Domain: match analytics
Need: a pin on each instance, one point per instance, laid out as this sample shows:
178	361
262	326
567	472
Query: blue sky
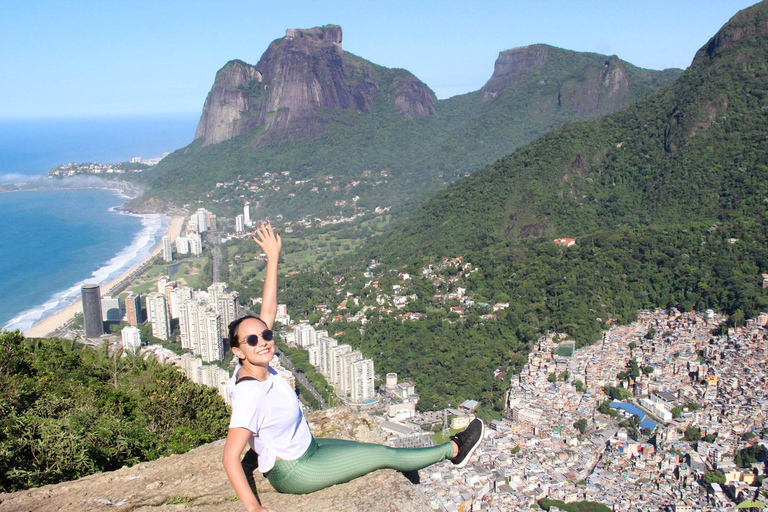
108	58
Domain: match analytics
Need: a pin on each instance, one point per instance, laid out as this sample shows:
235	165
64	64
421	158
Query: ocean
53	241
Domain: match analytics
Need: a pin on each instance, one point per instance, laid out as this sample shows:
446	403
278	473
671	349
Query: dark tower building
133	309
91	296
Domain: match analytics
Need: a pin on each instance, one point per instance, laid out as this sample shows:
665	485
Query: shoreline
52	323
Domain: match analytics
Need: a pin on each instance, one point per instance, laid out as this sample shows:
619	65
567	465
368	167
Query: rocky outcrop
585	84
197	481
413	98
296	78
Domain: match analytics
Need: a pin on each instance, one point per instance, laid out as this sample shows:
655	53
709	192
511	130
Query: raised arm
271	243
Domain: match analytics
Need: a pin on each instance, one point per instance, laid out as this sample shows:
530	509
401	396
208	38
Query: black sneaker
467	441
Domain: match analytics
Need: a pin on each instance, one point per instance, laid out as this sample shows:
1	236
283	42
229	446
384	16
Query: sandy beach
50	324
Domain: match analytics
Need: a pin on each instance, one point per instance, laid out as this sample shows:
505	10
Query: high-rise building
211	337
182	245
345	384
282	315
228	307
313	352
200	330
334	363
110	309
131	337
239	224
325	342
192	224
161	284
195	244
91	299
133	309
362	381
202	220
157	313
177	297
305	335
247	214
167	248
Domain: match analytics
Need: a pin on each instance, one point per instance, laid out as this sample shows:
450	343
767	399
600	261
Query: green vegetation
714	477
617	393
692	434
67	411
576	506
744	458
580	425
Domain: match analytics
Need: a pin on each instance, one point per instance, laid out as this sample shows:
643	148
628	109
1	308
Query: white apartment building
131	337
157	314
225	303
182	245
200	330
362	381
346	382
239	224
202	220
176	298
167	248
195	244
247	215
325	343
282	315
313	352
110	309
305	335
334	363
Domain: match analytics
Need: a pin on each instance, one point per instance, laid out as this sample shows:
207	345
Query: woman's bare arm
271	243
237	439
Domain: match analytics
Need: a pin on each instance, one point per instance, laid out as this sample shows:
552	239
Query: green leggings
334	461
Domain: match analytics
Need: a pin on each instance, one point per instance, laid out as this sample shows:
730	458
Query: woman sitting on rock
266	415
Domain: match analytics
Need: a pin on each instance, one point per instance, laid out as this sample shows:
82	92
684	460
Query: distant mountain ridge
667	201
691	150
311	108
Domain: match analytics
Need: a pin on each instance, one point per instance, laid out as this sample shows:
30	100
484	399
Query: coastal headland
52	323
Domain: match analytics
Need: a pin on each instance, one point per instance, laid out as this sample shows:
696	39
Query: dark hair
233	341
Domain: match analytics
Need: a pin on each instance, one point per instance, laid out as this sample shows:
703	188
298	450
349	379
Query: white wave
154	226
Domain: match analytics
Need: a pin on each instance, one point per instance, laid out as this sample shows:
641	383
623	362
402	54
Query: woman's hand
269	241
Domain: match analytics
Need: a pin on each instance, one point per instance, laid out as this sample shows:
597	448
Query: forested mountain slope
667	200
315	111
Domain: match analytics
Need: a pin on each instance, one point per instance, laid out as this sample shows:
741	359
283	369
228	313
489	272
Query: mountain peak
327	33
297	78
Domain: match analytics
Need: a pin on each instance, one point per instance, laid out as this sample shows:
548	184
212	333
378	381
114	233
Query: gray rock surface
197	481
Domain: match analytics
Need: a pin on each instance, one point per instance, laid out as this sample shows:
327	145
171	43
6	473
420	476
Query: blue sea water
31	147
53	241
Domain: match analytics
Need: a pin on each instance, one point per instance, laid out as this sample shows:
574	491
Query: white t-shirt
270	410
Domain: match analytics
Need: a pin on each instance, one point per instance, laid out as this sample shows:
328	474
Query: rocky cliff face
596	86
197	481
297	76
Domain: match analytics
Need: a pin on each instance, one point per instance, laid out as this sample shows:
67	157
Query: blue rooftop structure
645	421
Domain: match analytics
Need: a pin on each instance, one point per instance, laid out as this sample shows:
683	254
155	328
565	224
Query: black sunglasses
253	339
